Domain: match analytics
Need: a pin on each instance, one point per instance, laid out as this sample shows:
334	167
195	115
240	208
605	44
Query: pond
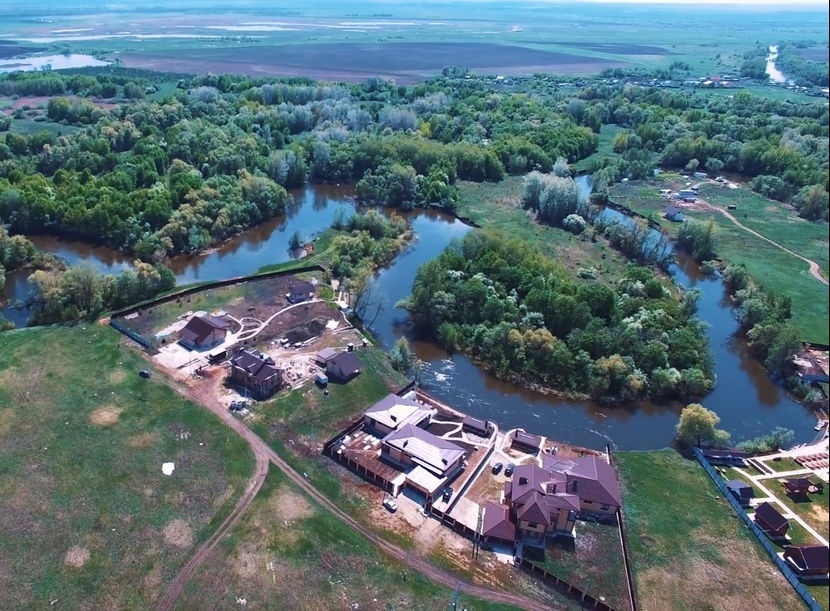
744	397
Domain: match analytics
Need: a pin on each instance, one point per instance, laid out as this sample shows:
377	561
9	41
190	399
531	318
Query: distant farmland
405	62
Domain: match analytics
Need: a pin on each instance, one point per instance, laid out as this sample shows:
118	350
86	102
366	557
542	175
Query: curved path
815	268
264	453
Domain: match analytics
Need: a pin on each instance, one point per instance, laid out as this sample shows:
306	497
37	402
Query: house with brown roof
592	479
343	367
257	373
203	332
540	503
808	560
771	521
393	412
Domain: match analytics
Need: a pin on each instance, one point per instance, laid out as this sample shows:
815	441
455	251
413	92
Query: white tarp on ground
167	468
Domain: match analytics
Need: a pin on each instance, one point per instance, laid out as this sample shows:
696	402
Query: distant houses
203	332
525	441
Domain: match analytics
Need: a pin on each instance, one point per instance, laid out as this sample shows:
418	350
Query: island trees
525	318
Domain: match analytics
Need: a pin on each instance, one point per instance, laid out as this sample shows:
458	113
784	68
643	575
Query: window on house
605	507
532	525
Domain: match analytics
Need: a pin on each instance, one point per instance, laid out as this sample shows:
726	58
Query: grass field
87	516
605	150
497	206
688	549
288	553
769	266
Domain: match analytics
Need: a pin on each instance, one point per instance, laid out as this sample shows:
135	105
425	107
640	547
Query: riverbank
776	269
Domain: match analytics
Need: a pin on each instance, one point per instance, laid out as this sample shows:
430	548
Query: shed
799	486
343	367
476	426
321	379
526	441
771	521
673	213
299	291
741	491
808	560
687	195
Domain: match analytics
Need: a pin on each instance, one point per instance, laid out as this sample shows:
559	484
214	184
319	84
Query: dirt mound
105	416
178	534
76	556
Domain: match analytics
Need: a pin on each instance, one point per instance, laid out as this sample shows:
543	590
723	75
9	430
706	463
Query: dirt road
263	453
815	268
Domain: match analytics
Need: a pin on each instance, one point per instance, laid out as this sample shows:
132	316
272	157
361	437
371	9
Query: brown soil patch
178	534
289	506
117	376
76	556
142	440
105	416
818	514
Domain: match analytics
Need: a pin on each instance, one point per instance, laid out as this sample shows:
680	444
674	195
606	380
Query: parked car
144	373
497	468
509	470
446	494
390	505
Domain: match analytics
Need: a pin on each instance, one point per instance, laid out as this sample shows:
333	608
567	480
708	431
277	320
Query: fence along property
789	575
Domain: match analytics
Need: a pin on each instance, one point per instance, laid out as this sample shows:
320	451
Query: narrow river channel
747	402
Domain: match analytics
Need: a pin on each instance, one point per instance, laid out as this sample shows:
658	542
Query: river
774	73
745	399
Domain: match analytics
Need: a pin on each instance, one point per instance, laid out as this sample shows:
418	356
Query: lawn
595	564
769	266
783	465
688	549
87	516
288	553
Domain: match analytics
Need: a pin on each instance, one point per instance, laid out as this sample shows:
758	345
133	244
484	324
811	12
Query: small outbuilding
673	214
482	428
526	442
771	521
808	560
742	491
299	291
343	367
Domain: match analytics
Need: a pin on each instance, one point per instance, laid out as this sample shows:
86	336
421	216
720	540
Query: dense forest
526	318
